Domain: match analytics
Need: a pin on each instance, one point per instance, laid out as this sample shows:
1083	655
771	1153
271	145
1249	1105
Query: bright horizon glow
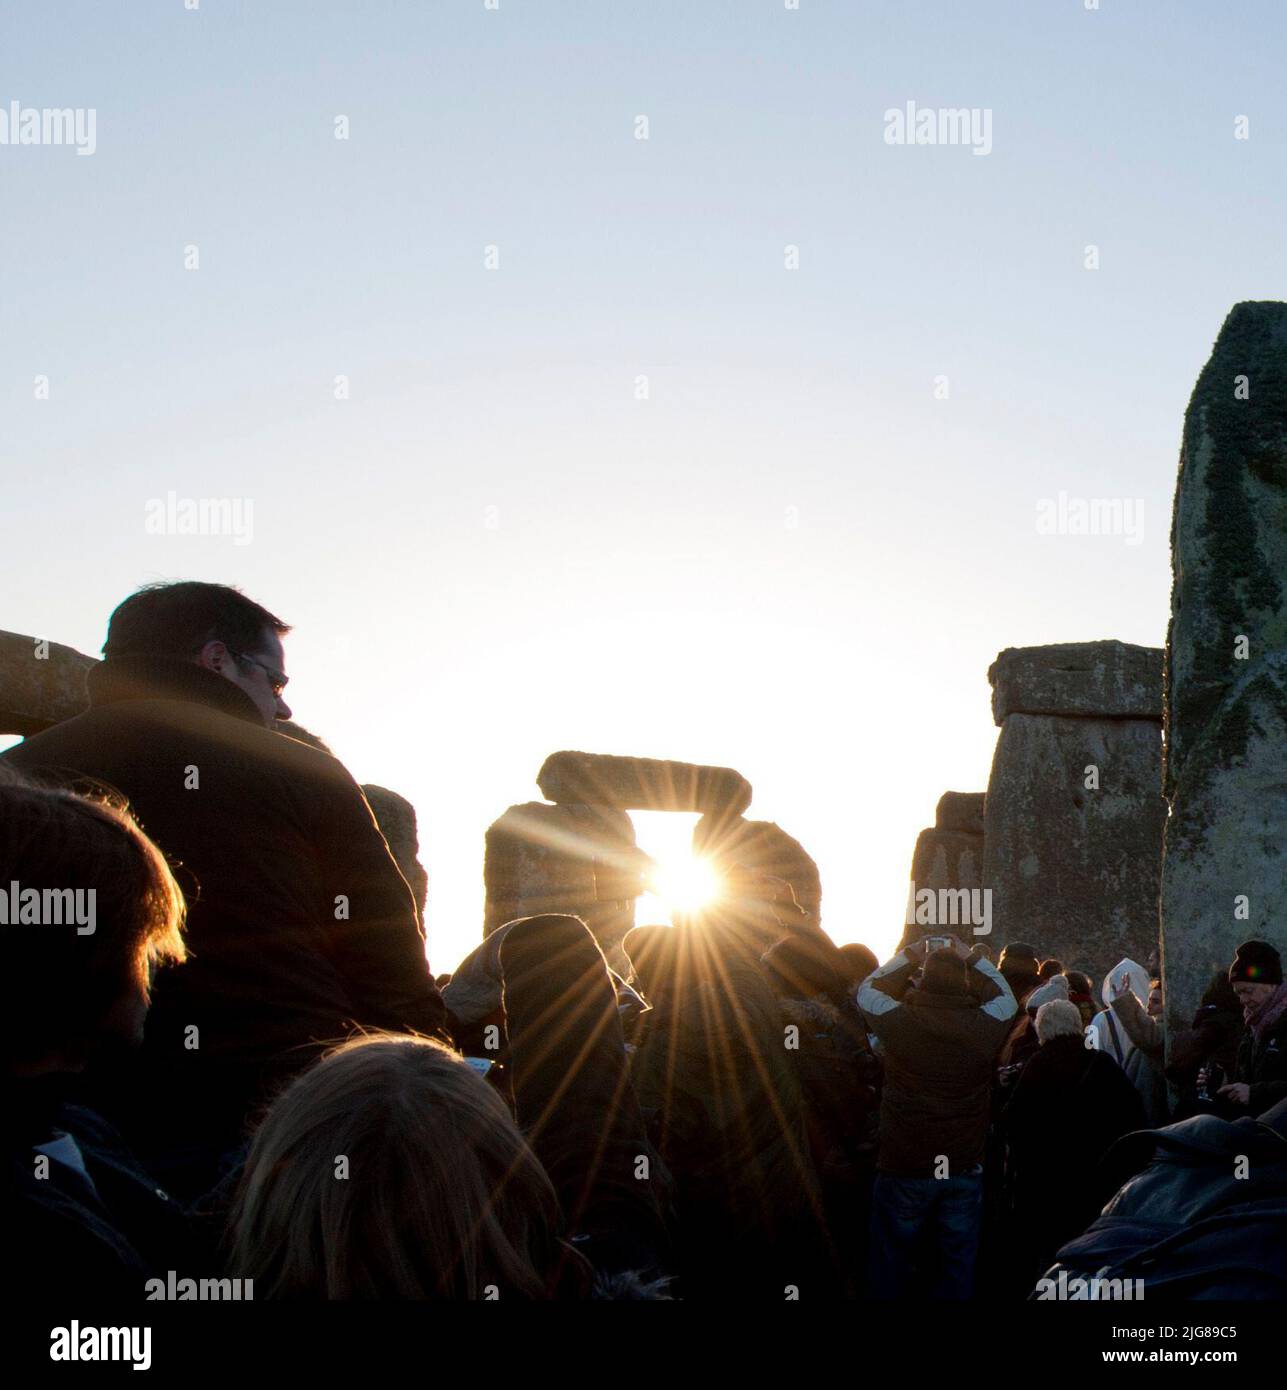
790	557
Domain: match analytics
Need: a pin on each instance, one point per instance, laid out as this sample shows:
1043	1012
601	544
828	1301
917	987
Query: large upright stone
1074	869
571	858
948	854
1074	813
41	683
1225	870
960	811
765	847
642	784
396	817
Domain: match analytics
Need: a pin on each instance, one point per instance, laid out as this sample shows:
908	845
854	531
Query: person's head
1219	994
97	909
213	625
802	967
1056	987
440	1195
944	972
1018	966
1060	1018
1155	998
1049	969
857	961
1255	974
1078	985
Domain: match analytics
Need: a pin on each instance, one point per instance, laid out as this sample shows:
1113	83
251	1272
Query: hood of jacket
1138	980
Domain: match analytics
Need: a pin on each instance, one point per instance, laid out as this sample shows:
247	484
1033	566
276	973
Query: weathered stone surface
1075	870
948	854
1225	870
947	859
642	784
540	858
960	811
764	846
1224	876
39	690
396	817
1101	680
1229	529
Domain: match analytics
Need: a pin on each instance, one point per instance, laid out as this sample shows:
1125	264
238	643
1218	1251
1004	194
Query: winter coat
88	1223
1211	1041
1069	1105
1109	1034
1262	1054
940	1050
1194	1223
839	1080
723	1107
299	922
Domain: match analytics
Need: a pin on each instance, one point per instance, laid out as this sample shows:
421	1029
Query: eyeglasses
276	681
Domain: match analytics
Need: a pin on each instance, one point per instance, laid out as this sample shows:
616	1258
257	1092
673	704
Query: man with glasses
300	926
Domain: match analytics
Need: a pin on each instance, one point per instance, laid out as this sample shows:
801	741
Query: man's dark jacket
940	1051
1262	1064
299	923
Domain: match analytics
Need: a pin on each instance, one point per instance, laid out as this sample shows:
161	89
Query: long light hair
392	1170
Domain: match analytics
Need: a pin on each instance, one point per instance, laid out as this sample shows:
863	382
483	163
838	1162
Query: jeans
935	1220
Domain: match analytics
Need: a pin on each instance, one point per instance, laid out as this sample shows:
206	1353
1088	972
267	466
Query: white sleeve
876	1001
1004	1005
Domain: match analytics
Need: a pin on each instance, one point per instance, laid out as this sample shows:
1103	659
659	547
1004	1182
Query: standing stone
41	683
1074	867
396	817
1225	870
949	854
765	847
570	858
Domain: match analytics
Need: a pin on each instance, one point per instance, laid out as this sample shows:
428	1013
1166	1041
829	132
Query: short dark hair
858	961
944	973
64	983
179	619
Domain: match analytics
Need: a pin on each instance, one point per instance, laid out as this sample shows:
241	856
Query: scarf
1269	1013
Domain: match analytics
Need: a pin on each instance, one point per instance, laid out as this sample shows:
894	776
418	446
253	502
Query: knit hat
1256	963
1056	988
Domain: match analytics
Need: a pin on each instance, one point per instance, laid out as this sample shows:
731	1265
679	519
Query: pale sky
800	553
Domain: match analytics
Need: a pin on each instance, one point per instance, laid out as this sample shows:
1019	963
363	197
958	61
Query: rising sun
685	882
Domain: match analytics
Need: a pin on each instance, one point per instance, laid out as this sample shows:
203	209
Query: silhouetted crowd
227	1061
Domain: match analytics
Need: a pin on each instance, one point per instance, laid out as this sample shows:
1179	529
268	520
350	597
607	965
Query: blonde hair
82	840
392	1170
